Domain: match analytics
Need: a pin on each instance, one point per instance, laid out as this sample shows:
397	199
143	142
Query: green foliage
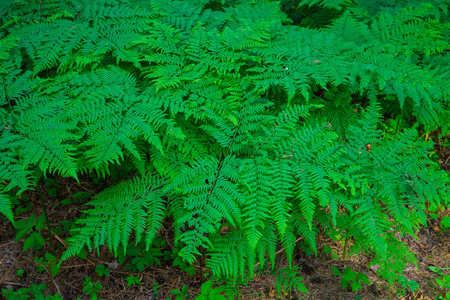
47	263
228	116
182	294
20	204
133	280
37	292
231	287
327	249
289	279
91	288
5	207
142	258
155	290
410	284
80	197
131	205
445	224
34	238
51	186
101	270
443	282
208	293
350	277
178	261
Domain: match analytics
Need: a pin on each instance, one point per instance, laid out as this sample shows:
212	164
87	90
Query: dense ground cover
266	147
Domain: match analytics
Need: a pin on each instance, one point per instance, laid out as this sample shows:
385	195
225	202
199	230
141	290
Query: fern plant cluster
249	115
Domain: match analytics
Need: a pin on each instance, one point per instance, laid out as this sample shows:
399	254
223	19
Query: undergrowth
250	124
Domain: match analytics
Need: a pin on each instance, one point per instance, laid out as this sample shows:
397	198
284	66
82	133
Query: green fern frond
6	207
230	254
330	4
283	183
266	121
133	205
256	206
374	224
305	230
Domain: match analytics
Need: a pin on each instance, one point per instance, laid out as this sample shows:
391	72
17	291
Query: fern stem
236	132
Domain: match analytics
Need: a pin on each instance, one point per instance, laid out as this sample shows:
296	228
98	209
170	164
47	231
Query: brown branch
4	276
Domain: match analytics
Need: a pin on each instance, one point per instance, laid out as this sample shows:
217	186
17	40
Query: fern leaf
6	207
136	204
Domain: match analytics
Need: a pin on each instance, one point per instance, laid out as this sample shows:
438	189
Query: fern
5	207
135	205
290	281
233	114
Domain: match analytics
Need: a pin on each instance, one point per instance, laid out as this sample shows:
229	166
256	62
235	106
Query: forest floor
432	249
